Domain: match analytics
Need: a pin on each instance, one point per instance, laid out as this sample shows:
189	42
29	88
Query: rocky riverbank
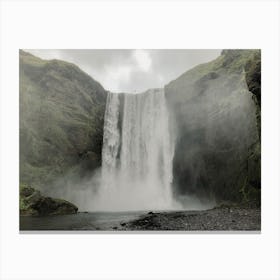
217	219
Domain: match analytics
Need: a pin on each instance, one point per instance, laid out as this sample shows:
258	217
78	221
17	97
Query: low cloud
131	70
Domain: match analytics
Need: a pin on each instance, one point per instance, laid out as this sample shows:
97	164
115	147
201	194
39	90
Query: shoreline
216	219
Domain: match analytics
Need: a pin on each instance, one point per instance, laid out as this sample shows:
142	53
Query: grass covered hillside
61	120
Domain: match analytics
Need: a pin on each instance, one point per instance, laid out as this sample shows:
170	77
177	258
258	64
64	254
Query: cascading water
137	153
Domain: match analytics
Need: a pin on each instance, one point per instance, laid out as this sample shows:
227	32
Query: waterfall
137	153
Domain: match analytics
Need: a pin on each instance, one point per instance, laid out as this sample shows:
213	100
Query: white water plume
137	154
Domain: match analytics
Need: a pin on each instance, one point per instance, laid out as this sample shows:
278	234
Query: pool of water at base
79	221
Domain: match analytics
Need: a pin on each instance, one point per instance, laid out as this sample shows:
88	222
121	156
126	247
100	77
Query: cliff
61	121
215	118
215	110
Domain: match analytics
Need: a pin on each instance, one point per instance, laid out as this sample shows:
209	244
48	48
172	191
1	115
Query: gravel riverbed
217	219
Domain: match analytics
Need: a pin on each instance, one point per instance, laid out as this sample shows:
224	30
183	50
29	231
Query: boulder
52	206
32	203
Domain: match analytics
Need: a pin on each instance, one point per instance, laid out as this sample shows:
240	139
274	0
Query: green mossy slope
61	120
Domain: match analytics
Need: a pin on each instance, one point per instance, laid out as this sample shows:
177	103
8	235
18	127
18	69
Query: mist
162	148
137	154
214	120
80	191
146	145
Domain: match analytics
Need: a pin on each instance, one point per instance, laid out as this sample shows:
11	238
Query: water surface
79	221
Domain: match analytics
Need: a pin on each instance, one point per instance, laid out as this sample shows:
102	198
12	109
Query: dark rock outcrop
32	203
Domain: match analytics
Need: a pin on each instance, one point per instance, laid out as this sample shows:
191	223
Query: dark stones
238	218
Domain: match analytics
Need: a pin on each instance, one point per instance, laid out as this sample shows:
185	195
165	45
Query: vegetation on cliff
216	115
61	120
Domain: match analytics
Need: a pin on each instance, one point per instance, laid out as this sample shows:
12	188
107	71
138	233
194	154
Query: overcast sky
132	70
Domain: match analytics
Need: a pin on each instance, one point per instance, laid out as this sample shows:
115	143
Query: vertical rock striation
215	118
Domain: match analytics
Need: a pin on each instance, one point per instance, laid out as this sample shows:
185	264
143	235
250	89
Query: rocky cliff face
215	111
61	121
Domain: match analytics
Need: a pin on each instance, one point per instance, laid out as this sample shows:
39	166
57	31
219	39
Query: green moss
61	119
31	202
230	61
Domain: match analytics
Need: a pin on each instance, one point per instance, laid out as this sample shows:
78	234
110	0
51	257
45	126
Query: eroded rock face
33	203
253	79
215	121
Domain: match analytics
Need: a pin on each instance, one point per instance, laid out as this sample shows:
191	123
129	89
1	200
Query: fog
214	120
73	188
137	154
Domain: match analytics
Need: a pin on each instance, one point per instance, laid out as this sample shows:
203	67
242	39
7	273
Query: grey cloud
130	70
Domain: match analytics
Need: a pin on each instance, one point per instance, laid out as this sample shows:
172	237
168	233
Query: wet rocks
32	203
